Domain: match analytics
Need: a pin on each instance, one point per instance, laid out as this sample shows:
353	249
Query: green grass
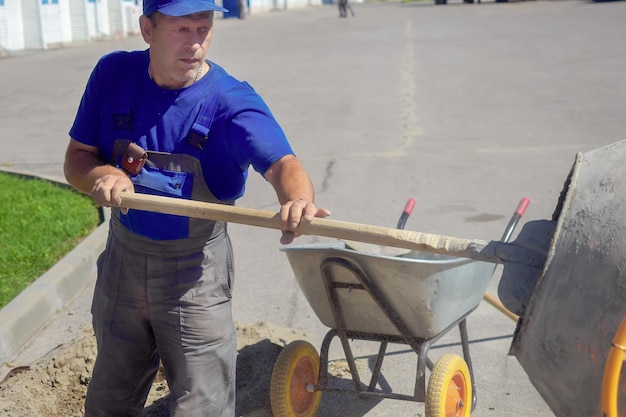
40	222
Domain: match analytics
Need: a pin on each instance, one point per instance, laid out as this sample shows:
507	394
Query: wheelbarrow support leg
468	359
378	366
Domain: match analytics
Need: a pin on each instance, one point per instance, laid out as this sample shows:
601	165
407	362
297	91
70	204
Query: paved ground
466	108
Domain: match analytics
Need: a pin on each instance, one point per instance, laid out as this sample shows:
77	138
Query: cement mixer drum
579	300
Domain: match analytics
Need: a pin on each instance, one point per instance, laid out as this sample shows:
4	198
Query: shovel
524	257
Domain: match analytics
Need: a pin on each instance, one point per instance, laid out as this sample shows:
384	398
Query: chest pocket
159	226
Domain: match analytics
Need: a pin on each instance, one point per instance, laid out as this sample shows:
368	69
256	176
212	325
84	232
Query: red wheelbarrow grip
408	207
519	212
522	206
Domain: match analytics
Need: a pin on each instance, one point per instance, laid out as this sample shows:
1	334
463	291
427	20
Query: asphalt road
465	107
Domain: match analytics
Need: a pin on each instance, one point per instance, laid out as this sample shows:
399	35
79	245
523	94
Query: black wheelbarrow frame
419	345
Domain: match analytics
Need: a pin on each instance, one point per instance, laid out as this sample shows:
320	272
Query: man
344	7
167	121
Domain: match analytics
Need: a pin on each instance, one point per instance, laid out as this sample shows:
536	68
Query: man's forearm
82	168
290	180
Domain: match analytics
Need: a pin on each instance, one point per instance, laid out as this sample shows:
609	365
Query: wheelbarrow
385	296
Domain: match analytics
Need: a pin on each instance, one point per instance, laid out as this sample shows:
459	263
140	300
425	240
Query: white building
11	26
43	24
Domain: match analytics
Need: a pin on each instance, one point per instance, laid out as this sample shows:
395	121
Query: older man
167	121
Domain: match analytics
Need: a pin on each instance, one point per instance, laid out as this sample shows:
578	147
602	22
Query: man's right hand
89	174
106	190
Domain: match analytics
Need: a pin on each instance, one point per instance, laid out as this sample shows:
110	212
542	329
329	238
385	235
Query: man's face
178	46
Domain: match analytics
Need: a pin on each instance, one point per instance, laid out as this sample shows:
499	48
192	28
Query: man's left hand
294	212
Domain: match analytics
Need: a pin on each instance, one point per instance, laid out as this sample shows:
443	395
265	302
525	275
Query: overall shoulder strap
202	125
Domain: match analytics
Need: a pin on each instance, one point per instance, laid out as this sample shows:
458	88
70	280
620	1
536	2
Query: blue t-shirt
244	132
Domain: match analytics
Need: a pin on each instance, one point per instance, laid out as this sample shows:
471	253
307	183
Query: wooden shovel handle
319	226
495	302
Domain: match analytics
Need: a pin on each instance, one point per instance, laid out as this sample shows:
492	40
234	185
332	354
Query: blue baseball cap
180	7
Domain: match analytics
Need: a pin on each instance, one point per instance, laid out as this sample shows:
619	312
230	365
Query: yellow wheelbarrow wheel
295	372
449	391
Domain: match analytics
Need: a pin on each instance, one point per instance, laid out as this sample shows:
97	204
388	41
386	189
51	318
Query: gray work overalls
167	300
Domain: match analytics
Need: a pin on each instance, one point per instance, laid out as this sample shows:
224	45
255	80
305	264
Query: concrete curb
26	314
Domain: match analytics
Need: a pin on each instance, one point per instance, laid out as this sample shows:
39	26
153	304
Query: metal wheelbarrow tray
427	292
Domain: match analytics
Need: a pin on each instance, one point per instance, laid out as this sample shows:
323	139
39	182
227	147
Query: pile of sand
55	385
